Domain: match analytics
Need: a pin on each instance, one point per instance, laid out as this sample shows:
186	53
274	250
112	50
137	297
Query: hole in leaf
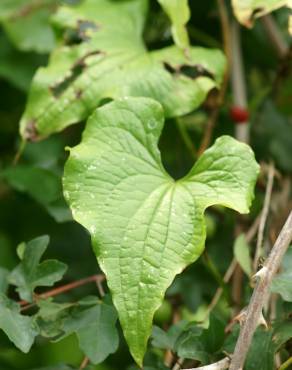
81	34
191	71
75	72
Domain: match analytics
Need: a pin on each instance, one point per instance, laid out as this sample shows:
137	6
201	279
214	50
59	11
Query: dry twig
261	294
264	216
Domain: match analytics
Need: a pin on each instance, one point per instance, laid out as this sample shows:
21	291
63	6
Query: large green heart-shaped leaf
146	227
247	10
102	55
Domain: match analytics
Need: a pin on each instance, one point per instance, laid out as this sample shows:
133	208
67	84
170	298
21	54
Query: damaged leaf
246	11
145	226
102	57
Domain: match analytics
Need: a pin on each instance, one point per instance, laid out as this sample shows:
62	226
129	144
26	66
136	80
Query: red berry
238	114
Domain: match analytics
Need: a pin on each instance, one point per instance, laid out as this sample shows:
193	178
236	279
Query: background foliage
69	324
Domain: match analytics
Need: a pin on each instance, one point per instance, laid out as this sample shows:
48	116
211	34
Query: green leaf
20	329
3	280
30	273
261	351
93	322
167	340
26	22
179	14
282	284
282	333
241	253
246	11
201	345
41	184
146	227
102	56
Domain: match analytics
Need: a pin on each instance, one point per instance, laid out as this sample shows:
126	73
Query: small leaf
179	14
167	340
93	322
247	11
241	253
102	56
30	273
282	284
146	227
27	24
20	329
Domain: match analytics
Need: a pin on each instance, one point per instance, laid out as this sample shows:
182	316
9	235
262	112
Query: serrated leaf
179	14
282	284
30	273
246	11
20	329
241	253
146	227
26	22
102	56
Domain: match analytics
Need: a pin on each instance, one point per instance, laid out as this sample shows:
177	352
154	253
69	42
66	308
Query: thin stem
261	294
264	216
228	274
84	363
19	152
286	364
220	365
238	82
277	40
64	288
225	29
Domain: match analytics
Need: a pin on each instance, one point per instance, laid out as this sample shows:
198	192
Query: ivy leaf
26	22
241	253
167	340
179	14
20	329
30	273
282	284
146	227
102	56
93	322
247	11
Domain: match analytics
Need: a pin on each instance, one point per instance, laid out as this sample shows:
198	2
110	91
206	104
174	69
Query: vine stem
220	365
278	42
286	364
229	272
260	295
84	363
238	82
98	279
264	216
225	30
